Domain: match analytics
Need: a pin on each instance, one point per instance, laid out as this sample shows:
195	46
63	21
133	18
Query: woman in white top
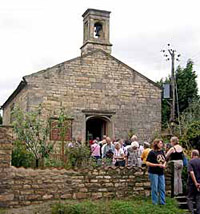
118	158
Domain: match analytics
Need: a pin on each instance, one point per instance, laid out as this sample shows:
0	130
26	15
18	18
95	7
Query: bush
77	156
193	134
53	162
21	157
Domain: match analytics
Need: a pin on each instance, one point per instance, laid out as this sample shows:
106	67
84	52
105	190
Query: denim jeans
157	188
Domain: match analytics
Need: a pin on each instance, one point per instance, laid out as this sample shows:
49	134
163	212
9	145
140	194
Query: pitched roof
21	85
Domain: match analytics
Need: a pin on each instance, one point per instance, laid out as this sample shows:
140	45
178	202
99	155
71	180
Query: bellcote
96	29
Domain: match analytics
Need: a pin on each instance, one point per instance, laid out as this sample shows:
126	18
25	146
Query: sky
37	34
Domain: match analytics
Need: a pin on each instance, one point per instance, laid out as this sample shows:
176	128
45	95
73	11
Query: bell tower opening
98	30
96	24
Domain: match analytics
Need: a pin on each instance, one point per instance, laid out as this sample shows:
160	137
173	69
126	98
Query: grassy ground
132	206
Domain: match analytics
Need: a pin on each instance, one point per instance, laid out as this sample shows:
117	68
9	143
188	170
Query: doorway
96	127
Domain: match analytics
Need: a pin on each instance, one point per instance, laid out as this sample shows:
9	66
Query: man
194	182
108	149
102	143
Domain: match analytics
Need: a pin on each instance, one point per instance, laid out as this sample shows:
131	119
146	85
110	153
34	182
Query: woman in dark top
175	154
156	163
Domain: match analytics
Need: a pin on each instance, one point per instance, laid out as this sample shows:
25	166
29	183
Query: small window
98	30
55	133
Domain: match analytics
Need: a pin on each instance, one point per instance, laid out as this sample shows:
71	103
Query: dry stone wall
20	187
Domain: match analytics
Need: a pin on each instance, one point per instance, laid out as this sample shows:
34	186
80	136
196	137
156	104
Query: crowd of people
155	157
119	152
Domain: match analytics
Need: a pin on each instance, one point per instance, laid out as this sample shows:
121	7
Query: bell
97	30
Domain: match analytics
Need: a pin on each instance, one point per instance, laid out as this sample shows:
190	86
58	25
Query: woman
118	157
175	154
156	163
145	153
133	154
95	150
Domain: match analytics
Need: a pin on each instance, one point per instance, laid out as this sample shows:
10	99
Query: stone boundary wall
21	187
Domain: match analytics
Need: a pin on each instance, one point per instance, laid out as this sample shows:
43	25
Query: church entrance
96	127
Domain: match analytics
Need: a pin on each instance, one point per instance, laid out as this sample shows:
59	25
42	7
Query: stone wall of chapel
98	82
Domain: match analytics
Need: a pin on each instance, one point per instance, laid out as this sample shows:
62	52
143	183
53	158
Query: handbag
185	160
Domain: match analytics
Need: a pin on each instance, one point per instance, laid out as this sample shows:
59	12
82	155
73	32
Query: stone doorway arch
97	126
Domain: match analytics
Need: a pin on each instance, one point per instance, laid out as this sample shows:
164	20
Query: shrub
53	162
33	131
193	134
21	156
77	156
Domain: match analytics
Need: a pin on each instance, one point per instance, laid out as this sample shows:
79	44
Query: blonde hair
174	140
134	138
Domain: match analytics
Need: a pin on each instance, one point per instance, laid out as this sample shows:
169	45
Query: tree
32	131
190	125
187	91
187	88
63	125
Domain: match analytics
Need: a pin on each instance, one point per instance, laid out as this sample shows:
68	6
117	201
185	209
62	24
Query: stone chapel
102	95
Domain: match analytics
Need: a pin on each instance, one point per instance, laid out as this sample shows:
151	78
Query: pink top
95	149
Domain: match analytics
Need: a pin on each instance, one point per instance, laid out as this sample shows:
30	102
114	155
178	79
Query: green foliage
134	206
83	208
191	114
21	156
2	211
192	135
186	80
190	126
77	156
131	132
62	124
33	131
184	179
53	162
62	127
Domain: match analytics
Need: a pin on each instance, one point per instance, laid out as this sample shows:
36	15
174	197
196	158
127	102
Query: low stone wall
34	186
21	187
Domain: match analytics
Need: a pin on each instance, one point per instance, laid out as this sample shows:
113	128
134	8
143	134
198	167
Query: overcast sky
37	34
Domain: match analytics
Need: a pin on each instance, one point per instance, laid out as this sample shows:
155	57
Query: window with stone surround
55	130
